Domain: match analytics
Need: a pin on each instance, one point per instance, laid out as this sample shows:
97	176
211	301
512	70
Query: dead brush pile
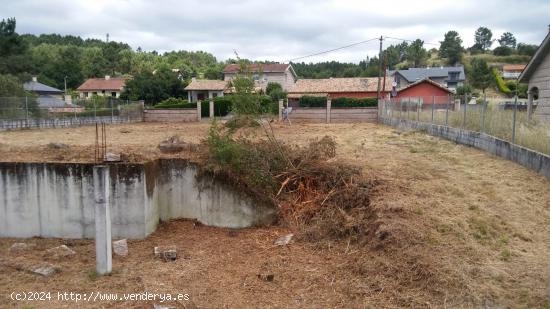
318	196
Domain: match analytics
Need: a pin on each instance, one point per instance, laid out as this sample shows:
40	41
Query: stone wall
170	115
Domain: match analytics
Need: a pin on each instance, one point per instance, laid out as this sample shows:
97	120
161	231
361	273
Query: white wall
56	200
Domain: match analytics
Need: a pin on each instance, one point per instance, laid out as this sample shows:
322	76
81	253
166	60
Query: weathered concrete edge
528	158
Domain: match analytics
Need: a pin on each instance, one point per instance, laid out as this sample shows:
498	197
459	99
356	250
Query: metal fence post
464	118
447	111
514	120
391	109
400	109
418	107
408	106
483	110
112	111
95	110
26	111
433	106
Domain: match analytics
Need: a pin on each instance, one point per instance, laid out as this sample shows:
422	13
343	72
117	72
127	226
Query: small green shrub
353	102
500	83
311	101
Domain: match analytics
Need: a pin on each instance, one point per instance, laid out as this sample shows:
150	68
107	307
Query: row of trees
57	59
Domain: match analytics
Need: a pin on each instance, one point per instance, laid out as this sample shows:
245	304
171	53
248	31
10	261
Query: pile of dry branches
315	193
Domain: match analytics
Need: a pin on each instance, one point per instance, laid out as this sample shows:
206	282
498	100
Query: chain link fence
45	112
507	119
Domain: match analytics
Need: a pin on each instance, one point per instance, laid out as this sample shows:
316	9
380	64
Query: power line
406	40
335	49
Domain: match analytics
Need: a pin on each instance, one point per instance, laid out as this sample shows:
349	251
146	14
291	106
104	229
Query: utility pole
65	84
379	67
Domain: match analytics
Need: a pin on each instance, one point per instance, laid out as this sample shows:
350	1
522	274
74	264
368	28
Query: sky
278	30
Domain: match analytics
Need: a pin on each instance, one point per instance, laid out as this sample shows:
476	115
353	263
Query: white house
264	73
203	89
104	87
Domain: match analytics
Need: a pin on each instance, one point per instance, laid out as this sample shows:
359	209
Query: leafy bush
175	103
353	102
500	83
502	51
521	88
464	89
311	101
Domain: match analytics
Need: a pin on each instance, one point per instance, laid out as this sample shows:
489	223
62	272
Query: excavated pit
56	199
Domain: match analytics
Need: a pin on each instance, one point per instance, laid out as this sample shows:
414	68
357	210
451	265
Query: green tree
507	39
12	49
275	91
451	47
10	86
502	51
93	62
483	38
416	53
154	87
526	49
481	76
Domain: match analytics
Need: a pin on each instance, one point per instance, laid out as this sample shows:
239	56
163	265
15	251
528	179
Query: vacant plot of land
457	227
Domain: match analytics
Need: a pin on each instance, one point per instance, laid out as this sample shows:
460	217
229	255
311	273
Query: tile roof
332	85
39	87
207	84
425	80
255	67
113	83
513	67
415	74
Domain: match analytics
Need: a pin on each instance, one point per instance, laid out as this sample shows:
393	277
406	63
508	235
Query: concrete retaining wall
308	114
533	160
170	115
56	200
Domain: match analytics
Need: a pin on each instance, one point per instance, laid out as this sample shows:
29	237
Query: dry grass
455	227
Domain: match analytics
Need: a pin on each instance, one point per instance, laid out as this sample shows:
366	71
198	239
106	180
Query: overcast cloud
278	30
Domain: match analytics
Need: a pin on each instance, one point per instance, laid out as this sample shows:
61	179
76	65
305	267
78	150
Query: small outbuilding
48	97
203	89
426	91
537	75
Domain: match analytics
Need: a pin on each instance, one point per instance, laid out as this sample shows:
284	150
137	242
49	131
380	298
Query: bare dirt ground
457	228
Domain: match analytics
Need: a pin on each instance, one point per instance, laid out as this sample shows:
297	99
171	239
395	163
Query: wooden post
103	250
329	103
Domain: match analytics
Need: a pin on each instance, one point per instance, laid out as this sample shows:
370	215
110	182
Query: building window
85	94
94	93
215	94
113	94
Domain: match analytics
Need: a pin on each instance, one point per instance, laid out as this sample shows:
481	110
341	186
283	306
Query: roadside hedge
500	83
311	101
353	102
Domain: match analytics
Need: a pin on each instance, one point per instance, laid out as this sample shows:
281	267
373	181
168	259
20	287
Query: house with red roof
425	91
264	73
104	87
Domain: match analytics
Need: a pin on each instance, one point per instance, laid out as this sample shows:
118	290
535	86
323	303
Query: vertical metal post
329	106
401	109
103	250
418	110
483	110
447	111
433	106
464	118
409	109
112	111
281	109
199	112
391	109
26	111
95	110
514	120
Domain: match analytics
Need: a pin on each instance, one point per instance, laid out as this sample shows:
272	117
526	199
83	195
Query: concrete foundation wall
533	160
56	200
170	115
